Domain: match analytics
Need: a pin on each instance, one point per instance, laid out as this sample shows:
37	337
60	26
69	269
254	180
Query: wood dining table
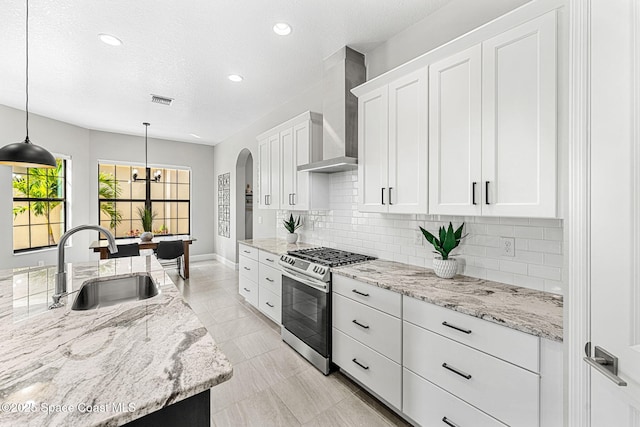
101	246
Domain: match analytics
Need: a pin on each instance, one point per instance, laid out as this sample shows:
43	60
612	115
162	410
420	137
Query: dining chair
126	251
169	250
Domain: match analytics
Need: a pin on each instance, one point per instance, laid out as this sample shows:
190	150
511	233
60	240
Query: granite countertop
275	245
102	367
527	310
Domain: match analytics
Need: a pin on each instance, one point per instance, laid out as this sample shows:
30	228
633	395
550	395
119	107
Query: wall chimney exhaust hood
342	71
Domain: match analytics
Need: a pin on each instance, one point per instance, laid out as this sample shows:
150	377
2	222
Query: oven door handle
316	284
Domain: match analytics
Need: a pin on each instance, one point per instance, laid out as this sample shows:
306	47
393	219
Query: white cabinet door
300	194
264	172
373	150
455	134
288	167
408	144
273	201
519	111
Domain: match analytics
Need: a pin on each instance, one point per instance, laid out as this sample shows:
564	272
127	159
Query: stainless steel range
306	300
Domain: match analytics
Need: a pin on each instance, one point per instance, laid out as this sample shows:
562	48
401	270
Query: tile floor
271	385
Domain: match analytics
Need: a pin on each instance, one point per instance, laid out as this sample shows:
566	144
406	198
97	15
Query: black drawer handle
448	422
246	252
269	280
360	324
269	259
457	328
247	268
456	371
359	293
248	290
360	364
473	195
486	193
269	304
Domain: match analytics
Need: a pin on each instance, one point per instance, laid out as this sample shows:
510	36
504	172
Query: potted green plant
444	266
146	216
291	225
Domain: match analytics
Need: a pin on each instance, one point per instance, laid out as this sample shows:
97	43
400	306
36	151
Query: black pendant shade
27	155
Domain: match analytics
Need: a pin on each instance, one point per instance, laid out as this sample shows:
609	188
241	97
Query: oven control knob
322	270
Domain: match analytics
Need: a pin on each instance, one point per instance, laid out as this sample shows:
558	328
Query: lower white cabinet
249	290
261	281
430	405
380	374
270	304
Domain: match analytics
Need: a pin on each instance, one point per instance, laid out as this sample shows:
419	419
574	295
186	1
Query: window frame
65	201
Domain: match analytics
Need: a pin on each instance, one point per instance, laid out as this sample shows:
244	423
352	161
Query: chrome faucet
61	276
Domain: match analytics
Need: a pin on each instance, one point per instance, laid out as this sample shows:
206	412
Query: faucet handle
56	301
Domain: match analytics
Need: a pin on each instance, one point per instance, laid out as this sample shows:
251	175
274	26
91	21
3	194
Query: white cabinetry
392	146
260	281
492	115
281	150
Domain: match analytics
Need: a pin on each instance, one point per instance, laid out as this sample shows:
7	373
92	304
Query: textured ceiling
183	50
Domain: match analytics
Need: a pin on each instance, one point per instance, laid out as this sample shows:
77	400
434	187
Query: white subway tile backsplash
537	263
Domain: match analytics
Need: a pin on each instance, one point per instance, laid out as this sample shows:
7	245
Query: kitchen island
102	367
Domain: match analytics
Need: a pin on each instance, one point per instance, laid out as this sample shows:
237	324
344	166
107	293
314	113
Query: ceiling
182	50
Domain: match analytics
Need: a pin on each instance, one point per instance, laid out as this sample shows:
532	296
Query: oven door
306	310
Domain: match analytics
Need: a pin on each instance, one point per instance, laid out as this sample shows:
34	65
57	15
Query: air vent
161	99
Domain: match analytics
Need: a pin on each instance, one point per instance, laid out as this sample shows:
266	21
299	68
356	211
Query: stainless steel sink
106	291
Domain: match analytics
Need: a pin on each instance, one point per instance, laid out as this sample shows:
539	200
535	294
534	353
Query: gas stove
316	262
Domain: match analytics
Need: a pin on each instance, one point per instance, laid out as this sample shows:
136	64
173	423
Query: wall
445	24
537	264
225	157
85	147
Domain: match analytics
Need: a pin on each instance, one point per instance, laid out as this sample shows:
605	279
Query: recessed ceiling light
109	39
235	78
194	135
282	29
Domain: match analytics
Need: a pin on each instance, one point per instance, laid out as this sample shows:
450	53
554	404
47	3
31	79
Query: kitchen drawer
383	376
270	278
248	251
429	405
503	390
378	330
382	299
249	290
269	259
270	304
249	268
505	343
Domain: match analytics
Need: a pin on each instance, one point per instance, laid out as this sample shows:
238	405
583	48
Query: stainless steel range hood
342	71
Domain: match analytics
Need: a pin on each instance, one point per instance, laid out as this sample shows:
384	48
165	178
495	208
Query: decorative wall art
224	205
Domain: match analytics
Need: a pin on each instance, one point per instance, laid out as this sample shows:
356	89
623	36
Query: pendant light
157	174
25	153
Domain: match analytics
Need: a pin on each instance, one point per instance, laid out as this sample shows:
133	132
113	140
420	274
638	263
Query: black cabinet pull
457	328
265	200
382	195
247	252
360	324
248	290
456	371
389	192
359	364
269	304
271	280
473	193
359	293
486	192
448	422
293	199
247	268
269	259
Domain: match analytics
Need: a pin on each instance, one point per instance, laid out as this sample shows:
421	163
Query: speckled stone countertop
276	246
102	367
527	310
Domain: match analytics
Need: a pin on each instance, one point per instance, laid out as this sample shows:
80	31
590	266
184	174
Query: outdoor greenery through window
39	206
123	191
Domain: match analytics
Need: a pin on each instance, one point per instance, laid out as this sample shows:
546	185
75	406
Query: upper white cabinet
281	150
492	114
392	146
455	134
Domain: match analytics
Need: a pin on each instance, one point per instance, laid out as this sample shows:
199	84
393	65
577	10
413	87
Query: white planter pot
147	236
445	268
292	237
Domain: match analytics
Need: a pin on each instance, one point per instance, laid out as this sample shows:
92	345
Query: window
123	190
39	206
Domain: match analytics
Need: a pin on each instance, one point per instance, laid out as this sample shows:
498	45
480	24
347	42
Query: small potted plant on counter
146	216
291	225
444	266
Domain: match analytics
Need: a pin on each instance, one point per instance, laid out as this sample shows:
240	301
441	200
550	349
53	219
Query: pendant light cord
27	72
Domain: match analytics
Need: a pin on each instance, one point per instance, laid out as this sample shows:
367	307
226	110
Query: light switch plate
508	246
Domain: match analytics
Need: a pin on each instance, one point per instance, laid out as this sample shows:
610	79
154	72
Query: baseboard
201	257
226	261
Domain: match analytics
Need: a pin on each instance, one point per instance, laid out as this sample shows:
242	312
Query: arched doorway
244	197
